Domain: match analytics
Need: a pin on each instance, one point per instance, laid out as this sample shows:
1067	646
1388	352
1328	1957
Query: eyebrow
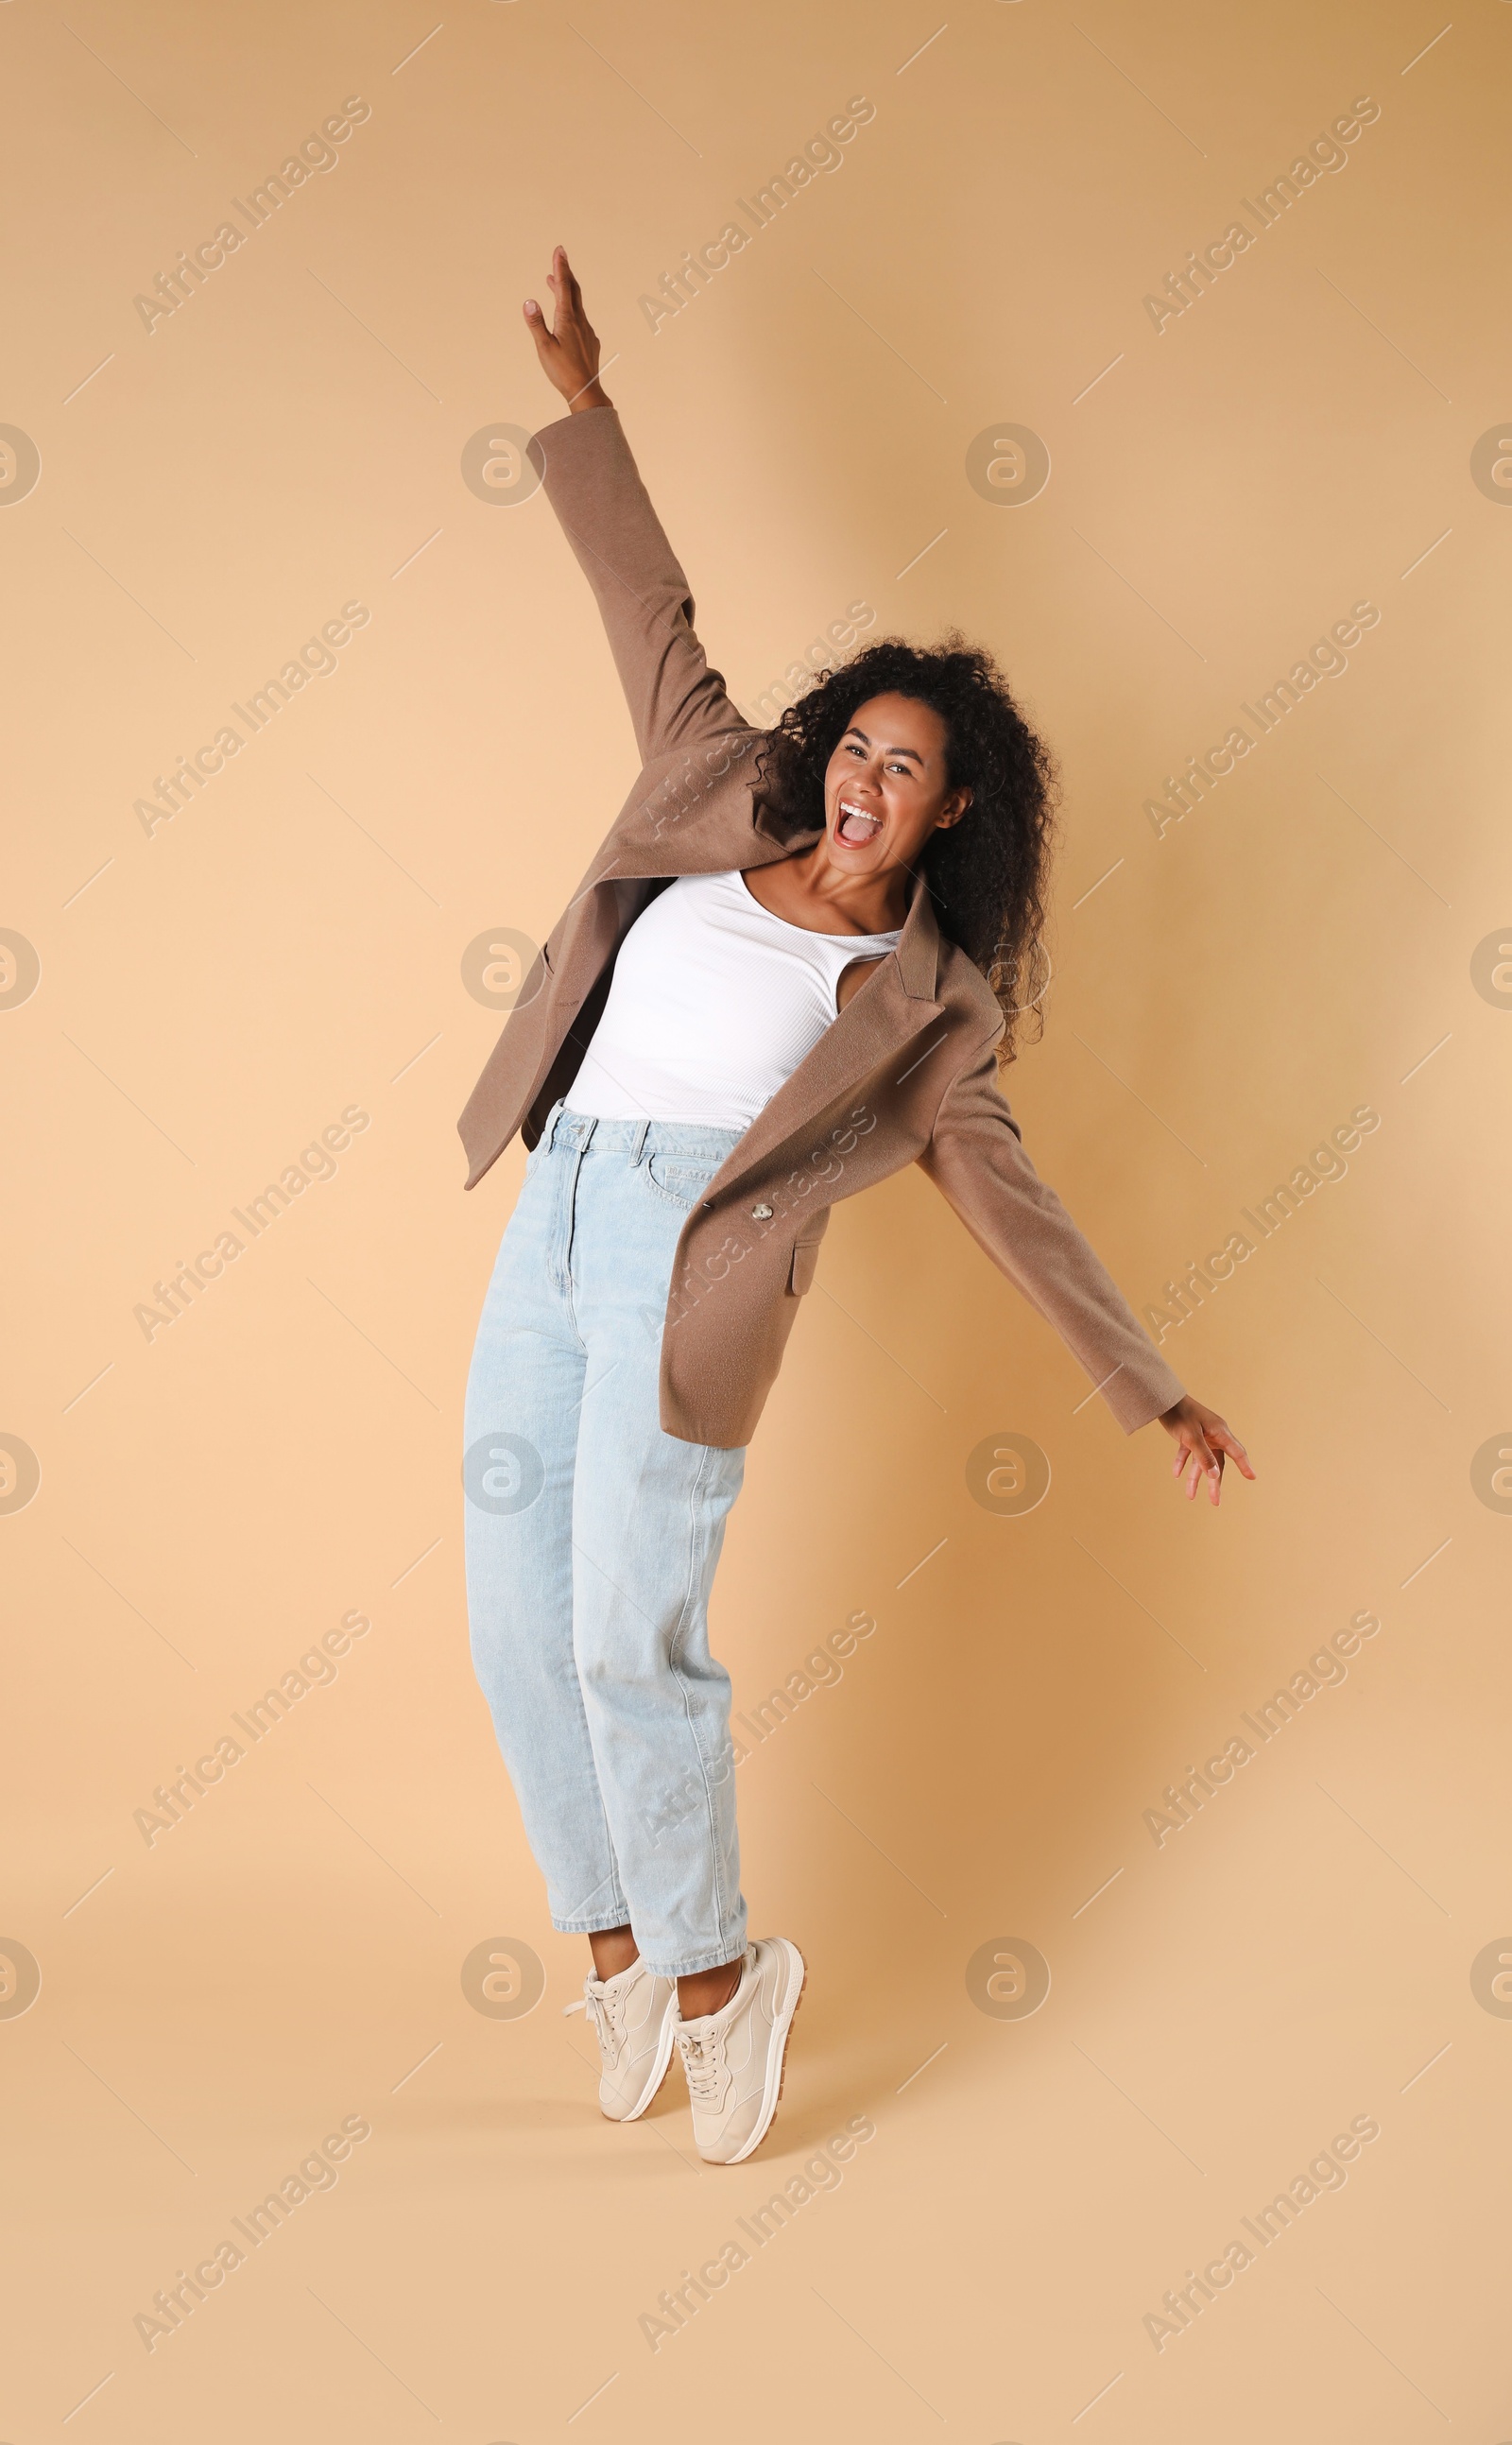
855	731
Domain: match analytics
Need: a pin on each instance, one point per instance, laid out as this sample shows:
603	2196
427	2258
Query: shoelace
605	2013
703	2063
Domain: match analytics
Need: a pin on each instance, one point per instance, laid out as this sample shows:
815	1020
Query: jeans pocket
677	1180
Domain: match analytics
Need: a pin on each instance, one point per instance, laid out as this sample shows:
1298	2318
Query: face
885	786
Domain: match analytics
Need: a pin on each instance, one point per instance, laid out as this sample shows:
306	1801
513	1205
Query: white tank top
713	1003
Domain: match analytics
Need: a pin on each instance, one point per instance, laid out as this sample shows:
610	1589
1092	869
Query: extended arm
977	1162
593	486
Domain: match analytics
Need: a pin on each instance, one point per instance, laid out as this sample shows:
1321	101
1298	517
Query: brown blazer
906	1073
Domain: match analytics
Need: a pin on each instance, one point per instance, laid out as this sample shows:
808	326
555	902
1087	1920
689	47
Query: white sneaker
634	2017
733	2058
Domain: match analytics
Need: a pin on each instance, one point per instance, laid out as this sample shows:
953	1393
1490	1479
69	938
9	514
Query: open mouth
855	827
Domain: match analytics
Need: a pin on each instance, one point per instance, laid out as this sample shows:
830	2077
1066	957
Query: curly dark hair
987	874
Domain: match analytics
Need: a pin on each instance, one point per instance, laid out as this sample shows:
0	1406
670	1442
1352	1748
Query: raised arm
593	486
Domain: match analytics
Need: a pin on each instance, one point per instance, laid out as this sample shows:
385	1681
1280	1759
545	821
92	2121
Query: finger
1205	1462
1224	1439
1212	1465
539	332
566	292
560	296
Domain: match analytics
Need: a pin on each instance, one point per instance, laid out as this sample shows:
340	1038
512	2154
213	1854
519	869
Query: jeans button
760	1213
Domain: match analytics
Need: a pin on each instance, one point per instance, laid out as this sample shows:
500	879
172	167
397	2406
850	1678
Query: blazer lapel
892	1010
674	826
648	845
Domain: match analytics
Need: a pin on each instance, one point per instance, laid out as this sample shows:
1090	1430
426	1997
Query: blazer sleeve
594	487
977	1160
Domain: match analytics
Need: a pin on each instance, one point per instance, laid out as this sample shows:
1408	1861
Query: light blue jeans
592	1543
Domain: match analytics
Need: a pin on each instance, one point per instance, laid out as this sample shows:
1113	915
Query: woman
793	968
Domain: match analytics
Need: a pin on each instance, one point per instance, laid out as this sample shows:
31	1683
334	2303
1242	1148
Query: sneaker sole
661	2064
778	2067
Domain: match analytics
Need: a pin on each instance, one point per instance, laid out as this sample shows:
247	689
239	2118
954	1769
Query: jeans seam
568	1235
674	1647
664	1196
588	1925
688	1968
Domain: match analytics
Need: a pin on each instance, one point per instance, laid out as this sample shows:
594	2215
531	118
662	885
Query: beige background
290	944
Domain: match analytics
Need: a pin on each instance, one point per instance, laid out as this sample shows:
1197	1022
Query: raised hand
568	350
1202	1440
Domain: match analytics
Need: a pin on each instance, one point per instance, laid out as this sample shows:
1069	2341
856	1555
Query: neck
862	904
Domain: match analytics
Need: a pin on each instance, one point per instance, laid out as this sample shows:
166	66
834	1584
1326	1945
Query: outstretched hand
1203	1441
569	349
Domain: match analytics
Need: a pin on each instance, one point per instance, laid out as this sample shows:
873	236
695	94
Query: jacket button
760	1213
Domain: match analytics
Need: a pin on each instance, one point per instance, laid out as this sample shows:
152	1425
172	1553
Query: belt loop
638	1144
550	1127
